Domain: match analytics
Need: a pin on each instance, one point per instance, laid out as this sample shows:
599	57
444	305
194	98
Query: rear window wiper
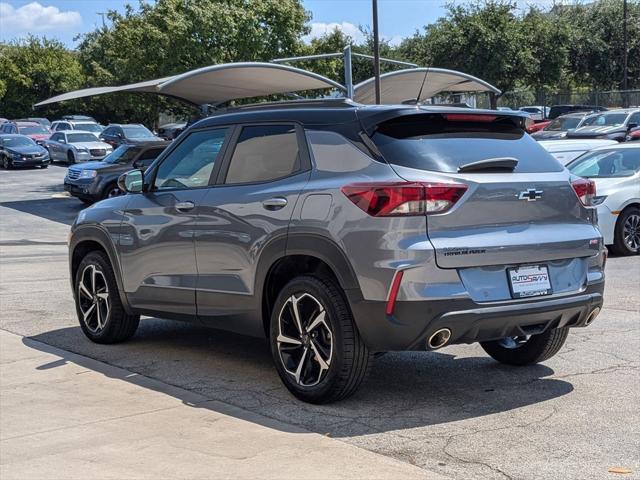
501	164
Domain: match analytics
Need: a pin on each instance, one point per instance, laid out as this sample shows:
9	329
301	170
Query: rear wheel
71	158
98	305
526	350
316	347
626	240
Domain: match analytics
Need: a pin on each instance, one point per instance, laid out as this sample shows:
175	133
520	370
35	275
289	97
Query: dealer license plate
529	281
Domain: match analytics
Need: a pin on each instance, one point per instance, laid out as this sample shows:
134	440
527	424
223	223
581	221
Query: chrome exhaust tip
439	338
592	316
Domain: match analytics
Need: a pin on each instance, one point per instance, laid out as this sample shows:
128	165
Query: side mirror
62	140
131	181
119	135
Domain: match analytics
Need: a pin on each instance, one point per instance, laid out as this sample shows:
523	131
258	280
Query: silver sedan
75	146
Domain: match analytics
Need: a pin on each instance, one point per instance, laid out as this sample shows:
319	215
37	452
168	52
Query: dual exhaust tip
439	338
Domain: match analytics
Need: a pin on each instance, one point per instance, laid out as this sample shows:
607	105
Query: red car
634	135
534	127
33	130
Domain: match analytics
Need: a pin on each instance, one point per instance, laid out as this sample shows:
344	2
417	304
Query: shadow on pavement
61	210
405	390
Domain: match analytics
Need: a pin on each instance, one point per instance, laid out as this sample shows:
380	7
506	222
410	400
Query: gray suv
338	231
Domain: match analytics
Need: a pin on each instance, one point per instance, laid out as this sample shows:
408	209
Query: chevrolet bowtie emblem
530	195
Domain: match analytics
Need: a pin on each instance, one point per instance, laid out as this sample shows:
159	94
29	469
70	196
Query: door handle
275	203
184	206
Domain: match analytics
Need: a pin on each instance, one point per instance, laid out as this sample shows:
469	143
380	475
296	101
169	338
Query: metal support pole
625	55
348	72
376	51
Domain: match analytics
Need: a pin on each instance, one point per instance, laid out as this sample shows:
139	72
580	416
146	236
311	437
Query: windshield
607	163
606	119
89	127
123	154
429	142
530	110
33	130
563	124
136	131
81	137
17	142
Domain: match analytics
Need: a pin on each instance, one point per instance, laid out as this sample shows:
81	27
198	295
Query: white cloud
318	29
35	17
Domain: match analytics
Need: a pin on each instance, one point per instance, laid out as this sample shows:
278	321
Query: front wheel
527	350
71	158
316	347
6	163
626	240
98	305
112	191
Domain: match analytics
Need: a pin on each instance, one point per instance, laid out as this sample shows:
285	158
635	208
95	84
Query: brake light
469	117
585	190
393	199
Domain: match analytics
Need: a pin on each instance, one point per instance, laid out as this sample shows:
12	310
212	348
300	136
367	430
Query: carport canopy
419	84
218	84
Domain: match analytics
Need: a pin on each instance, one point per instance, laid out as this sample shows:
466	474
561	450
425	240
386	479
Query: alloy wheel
114	192
631	232
513	342
305	340
93	298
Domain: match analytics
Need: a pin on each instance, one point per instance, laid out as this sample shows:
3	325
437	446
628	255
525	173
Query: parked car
93	181
84	125
616	172
33	130
170	131
74	146
537	126
117	134
42	121
556	110
21	151
79	118
634	134
613	125
558	127
339	230
536	112
566	150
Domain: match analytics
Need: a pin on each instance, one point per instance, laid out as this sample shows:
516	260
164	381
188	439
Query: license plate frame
527	281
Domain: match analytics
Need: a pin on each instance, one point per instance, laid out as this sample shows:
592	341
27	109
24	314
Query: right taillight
392	199
585	190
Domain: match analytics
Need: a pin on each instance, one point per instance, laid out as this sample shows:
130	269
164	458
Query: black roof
335	112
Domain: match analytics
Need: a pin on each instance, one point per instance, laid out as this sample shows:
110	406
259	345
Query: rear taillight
585	190
404	199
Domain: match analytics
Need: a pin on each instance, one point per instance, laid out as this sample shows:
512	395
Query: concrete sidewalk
65	416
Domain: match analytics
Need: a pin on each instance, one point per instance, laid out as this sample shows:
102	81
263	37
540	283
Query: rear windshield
429	142
136	131
89	127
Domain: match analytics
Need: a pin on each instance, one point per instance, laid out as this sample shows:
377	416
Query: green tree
34	69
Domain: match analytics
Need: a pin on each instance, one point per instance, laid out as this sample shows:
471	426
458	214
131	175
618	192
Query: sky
65	19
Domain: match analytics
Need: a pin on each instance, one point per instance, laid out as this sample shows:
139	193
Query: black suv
93	181
117	134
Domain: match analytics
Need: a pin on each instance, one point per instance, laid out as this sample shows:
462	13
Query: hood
28	150
91	165
549	134
92	145
597	130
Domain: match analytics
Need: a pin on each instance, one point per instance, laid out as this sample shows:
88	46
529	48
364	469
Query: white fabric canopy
405	85
218	83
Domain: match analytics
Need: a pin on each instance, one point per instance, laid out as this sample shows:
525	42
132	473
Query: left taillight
585	190
396	199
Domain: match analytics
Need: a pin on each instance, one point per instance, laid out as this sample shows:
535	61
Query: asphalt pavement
455	412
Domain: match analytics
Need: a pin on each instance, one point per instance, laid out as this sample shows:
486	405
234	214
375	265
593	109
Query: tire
6	163
98	306
336	341
109	189
535	349
71	159
626	236
44	167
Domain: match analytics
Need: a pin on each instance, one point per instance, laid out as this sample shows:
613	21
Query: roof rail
298	103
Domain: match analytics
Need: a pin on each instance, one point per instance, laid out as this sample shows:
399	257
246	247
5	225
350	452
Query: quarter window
190	165
263	153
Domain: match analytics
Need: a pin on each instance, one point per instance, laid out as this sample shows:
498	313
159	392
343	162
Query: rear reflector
585	190
393	293
395	199
469	117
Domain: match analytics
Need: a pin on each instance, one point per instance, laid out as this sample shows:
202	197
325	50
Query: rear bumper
413	322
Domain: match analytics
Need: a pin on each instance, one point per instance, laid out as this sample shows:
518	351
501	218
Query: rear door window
263	153
430	142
